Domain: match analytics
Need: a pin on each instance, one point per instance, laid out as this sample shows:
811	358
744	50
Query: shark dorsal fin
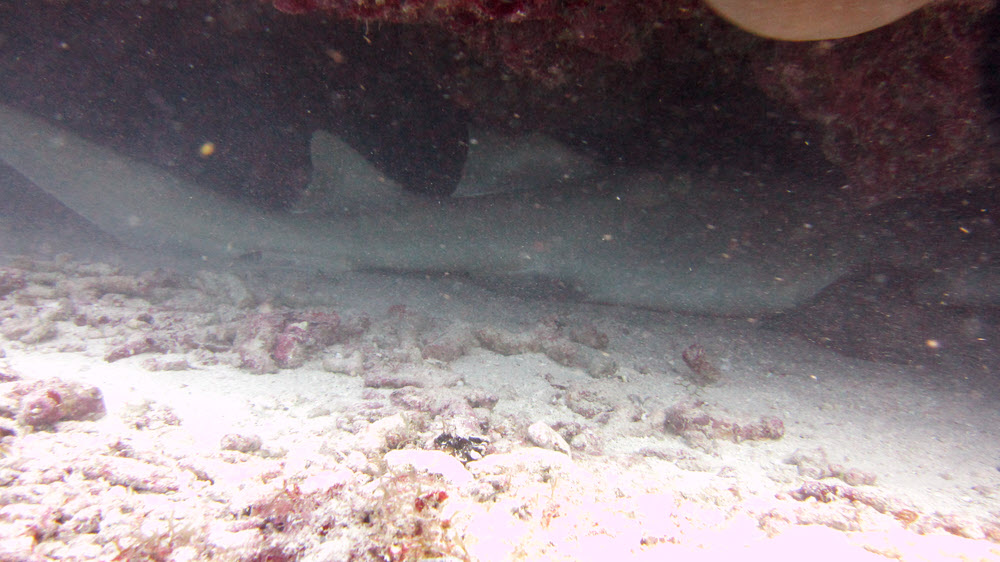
345	182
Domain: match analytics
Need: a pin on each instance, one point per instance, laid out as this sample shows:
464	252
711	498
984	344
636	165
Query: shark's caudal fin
139	204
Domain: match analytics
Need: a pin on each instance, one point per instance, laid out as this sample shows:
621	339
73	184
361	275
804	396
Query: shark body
603	246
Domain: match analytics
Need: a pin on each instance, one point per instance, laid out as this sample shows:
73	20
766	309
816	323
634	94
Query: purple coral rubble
45	402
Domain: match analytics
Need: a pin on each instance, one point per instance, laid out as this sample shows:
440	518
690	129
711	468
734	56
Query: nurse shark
617	241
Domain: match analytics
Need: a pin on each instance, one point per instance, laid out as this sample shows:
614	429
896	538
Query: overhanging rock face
899	107
898	110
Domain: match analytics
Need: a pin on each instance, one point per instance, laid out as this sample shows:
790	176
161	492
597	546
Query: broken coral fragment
696	423
42	403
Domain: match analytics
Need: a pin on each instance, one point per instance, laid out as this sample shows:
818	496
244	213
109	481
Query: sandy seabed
234	415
